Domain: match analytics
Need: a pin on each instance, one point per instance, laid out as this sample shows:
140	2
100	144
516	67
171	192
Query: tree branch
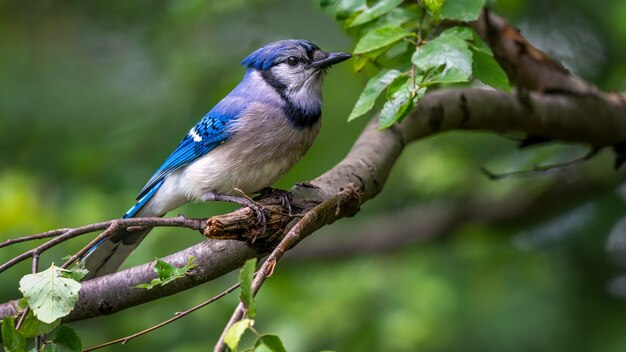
581	115
598	121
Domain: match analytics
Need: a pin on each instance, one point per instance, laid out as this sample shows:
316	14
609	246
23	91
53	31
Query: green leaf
462	10
245	281
487	70
167	273
448	57
76	272
361	60
12	340
347	8
434	6
49	295
63	339
396	107
327	3
478	44
234	333
269	343
372	90
462	32
396	85
382	7
33	326
380	38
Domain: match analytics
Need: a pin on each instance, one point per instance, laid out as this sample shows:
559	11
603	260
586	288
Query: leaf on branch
487	70
12	340
234	333
32	326
63	339
269	343
462	10
76	272
448	56
400	99
347	8
245	281
434	6
167	273
380	38
380	8
372	90
49	294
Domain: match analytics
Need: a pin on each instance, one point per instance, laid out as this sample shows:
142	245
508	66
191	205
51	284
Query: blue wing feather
207	134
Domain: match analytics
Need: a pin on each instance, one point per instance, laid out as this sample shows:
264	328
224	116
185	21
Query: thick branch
598	121
528	67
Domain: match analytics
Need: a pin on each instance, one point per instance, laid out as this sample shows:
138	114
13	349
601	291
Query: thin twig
22	318
309	222
539	168
179	315
178	221
35	269
52	233
108	232
421	24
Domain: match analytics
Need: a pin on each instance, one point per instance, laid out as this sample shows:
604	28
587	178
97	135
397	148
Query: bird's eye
292	60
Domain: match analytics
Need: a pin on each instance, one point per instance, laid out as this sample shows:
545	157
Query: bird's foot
258	209
284	197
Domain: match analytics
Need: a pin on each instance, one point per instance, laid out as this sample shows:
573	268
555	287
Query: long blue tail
107	256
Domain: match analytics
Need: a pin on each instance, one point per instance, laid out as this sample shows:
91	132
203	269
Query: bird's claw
284	197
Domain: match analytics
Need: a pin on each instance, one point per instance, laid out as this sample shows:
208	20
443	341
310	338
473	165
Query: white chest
258	154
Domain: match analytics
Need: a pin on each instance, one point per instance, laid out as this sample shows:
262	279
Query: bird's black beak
330	59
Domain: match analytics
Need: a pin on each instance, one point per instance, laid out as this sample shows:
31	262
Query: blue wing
207	134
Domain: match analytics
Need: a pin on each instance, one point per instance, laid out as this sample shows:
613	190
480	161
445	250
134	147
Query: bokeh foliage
95	94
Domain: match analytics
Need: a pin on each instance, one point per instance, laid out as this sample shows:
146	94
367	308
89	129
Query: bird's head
295	68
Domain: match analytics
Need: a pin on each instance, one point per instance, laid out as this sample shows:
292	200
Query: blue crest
266	56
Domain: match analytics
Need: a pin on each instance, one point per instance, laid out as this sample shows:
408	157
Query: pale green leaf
245	281
49	295
434	6
396	107
487	70
12	340
380	38
167	273
448	58
372	90
462	10
234	333
76	272
269	343
380	8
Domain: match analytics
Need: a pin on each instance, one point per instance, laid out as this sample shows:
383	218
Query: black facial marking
298	116
270	79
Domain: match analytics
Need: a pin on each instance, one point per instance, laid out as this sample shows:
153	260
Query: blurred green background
95	94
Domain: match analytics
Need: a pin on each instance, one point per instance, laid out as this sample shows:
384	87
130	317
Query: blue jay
247	141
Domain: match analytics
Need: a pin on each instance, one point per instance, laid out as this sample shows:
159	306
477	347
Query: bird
245	143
